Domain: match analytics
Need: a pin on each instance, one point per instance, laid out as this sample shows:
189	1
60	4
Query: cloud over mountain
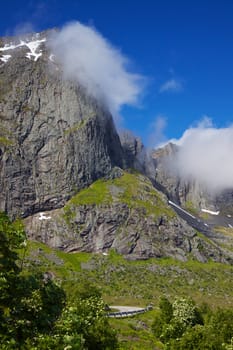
206	155
88	58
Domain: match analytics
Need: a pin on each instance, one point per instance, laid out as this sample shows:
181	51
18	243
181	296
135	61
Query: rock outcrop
134	151
126	214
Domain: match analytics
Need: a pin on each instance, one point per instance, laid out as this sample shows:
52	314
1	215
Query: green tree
166	309
221	324
87	318
29	304
33	311
199	337
174	319
163	317
191	328
186	312
11	237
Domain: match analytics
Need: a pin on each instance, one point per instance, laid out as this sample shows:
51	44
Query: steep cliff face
133	151
54	139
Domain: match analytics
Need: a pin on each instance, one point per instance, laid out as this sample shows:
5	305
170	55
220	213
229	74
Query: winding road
127	311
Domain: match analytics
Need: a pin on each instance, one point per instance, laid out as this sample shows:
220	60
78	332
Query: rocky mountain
125	213
63	169
54	138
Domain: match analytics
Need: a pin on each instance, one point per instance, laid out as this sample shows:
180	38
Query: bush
190	328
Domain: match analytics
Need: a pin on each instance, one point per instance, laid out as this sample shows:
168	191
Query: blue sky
183	48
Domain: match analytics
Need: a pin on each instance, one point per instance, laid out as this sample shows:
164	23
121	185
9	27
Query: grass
189	206
139	192
225	237
228	231
204	238
95	194
136	283
134	190
134	333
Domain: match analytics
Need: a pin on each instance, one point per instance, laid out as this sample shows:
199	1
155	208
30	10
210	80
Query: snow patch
51	57
44	217
31	45
210	211
5	58
9	47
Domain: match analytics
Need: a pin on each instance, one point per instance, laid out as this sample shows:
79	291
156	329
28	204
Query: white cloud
88	58
205	154
171	85
157	136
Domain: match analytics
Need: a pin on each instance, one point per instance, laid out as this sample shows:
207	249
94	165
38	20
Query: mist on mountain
205	155
90	60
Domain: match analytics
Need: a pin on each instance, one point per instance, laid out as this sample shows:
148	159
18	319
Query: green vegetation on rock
97	193
6	139
135	190
189	206
75	127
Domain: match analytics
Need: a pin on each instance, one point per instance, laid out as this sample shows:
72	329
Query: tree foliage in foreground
182	326
34	312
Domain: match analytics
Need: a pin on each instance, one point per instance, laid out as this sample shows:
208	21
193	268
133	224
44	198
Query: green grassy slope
133	189
135	282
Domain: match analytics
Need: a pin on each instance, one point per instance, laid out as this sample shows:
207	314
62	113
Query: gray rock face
129	232
118	223
54	139
134	151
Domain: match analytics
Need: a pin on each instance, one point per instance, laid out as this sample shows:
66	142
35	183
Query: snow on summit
33	46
